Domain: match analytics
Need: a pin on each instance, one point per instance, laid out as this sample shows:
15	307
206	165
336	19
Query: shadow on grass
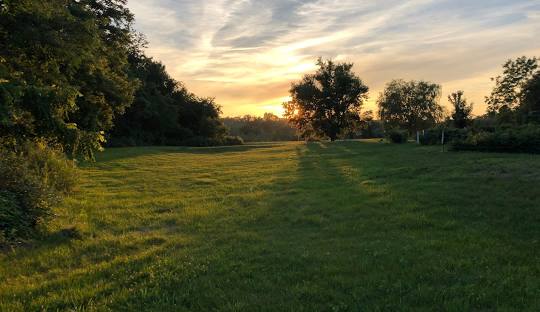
42	240
344	228
116	153
385	227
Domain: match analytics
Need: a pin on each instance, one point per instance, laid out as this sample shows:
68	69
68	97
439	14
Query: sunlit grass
294	227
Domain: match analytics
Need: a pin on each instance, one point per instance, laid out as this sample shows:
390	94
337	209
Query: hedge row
434	136
524	139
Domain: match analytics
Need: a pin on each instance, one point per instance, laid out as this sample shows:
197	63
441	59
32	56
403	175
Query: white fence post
442	139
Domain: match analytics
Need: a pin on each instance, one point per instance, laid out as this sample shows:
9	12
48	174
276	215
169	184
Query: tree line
267	128
73	73
74	79
328	104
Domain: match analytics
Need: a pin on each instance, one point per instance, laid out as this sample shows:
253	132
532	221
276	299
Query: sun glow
247	53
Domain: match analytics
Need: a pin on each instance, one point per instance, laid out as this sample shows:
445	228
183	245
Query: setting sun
269	155
246	53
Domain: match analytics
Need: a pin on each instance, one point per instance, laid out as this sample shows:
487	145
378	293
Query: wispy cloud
247	52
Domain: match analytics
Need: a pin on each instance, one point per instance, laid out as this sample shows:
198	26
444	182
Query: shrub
233	140
433	136
524	139
34	179
397	136
122	142
200	141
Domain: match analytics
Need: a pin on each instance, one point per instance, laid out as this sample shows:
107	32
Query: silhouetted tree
164	112
326	102
508	90
531	99
410	105
462	112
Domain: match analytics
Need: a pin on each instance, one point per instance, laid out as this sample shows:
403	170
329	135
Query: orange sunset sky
246	53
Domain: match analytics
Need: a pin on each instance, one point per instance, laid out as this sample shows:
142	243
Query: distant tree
410	105
508	91
328	101
462	112
256	129
370	127
270	117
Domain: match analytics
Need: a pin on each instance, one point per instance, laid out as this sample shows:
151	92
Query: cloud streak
247	52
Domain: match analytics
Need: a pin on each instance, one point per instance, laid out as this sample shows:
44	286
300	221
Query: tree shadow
117	153
337	227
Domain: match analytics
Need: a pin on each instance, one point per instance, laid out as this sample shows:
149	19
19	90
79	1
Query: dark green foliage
369	127
164	112
364	128
202	141
509	88
34	179
515	99
462	112
372	129
230	140
63	70
13	222
531	99
326	103
261	129
434	136
486	122
397	136
410	105
523	139
198	141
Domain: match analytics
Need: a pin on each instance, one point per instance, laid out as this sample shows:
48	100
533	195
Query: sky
246	53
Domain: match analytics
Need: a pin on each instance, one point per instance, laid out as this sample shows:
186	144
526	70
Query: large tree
462	112
64	70
328	101
509	88
410	105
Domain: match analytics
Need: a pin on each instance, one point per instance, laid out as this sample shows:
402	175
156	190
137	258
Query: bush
233	140
433	136
199	141
524	139
34	178
397	136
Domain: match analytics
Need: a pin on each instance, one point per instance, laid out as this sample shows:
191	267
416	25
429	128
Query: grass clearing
342	226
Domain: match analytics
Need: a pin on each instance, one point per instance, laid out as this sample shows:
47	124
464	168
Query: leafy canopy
63	70
531	98
327	102
164	112
511	86
410	105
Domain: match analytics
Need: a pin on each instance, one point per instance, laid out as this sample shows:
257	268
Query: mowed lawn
345	226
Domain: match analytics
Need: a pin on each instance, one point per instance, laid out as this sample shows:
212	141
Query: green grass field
345	226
